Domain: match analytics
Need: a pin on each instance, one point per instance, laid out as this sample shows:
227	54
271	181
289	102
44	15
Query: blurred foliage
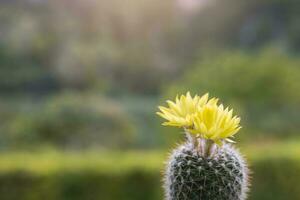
90	175
128	52
141	109
128	47
78	75
83	45
260	86
72	121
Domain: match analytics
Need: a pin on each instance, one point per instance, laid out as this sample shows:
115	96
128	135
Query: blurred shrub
141	109
73	121
132	176
262	87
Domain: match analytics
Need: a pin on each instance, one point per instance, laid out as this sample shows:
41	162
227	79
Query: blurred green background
80	81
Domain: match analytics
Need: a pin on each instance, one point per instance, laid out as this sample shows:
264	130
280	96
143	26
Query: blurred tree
261	86
115	46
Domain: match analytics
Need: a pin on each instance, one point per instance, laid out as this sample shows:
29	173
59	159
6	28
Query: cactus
192	176
206	166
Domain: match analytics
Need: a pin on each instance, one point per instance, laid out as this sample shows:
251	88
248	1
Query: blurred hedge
131	176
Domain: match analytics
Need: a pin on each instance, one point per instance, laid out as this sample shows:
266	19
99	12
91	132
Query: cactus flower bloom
181	112
215	123
201	117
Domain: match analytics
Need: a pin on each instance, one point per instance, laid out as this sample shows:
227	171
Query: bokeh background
80	81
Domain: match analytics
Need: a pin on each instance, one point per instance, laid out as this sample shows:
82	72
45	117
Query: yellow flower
181	113
215	123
